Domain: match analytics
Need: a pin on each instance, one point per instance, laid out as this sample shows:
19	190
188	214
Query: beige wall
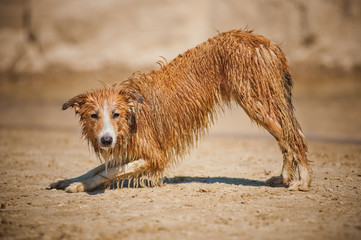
85	34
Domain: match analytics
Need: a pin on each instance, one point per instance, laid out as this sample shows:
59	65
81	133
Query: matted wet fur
157	116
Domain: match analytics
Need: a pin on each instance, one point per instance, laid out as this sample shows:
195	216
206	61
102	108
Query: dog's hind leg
108	175
294	150
275	113
296	172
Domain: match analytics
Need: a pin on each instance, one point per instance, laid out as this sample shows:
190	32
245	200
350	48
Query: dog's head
107	115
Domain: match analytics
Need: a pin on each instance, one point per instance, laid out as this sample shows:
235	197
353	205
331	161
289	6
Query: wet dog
143	125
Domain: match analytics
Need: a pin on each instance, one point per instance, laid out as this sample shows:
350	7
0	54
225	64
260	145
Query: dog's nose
106	141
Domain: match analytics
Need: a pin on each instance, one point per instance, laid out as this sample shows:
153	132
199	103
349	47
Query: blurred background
89	35
52	50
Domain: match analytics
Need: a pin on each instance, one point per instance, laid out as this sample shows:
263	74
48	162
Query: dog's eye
94	116
116	115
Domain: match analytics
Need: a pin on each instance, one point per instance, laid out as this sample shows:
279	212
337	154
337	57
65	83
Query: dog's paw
299	186
75	187
60	184
294	186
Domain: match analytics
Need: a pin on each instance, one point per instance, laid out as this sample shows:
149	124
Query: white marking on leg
110	174
305	177
62	184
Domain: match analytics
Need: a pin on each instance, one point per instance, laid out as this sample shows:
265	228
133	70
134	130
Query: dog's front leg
108	175
62	184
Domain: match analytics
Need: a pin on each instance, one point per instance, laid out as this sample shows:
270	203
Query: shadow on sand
211	180
187	179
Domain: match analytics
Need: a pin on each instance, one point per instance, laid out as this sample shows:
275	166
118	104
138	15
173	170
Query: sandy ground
217	192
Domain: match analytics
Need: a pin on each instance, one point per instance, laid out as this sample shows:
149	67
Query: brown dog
143	125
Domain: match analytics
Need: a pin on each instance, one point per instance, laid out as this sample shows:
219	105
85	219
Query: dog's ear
133	95
76	102
132	121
